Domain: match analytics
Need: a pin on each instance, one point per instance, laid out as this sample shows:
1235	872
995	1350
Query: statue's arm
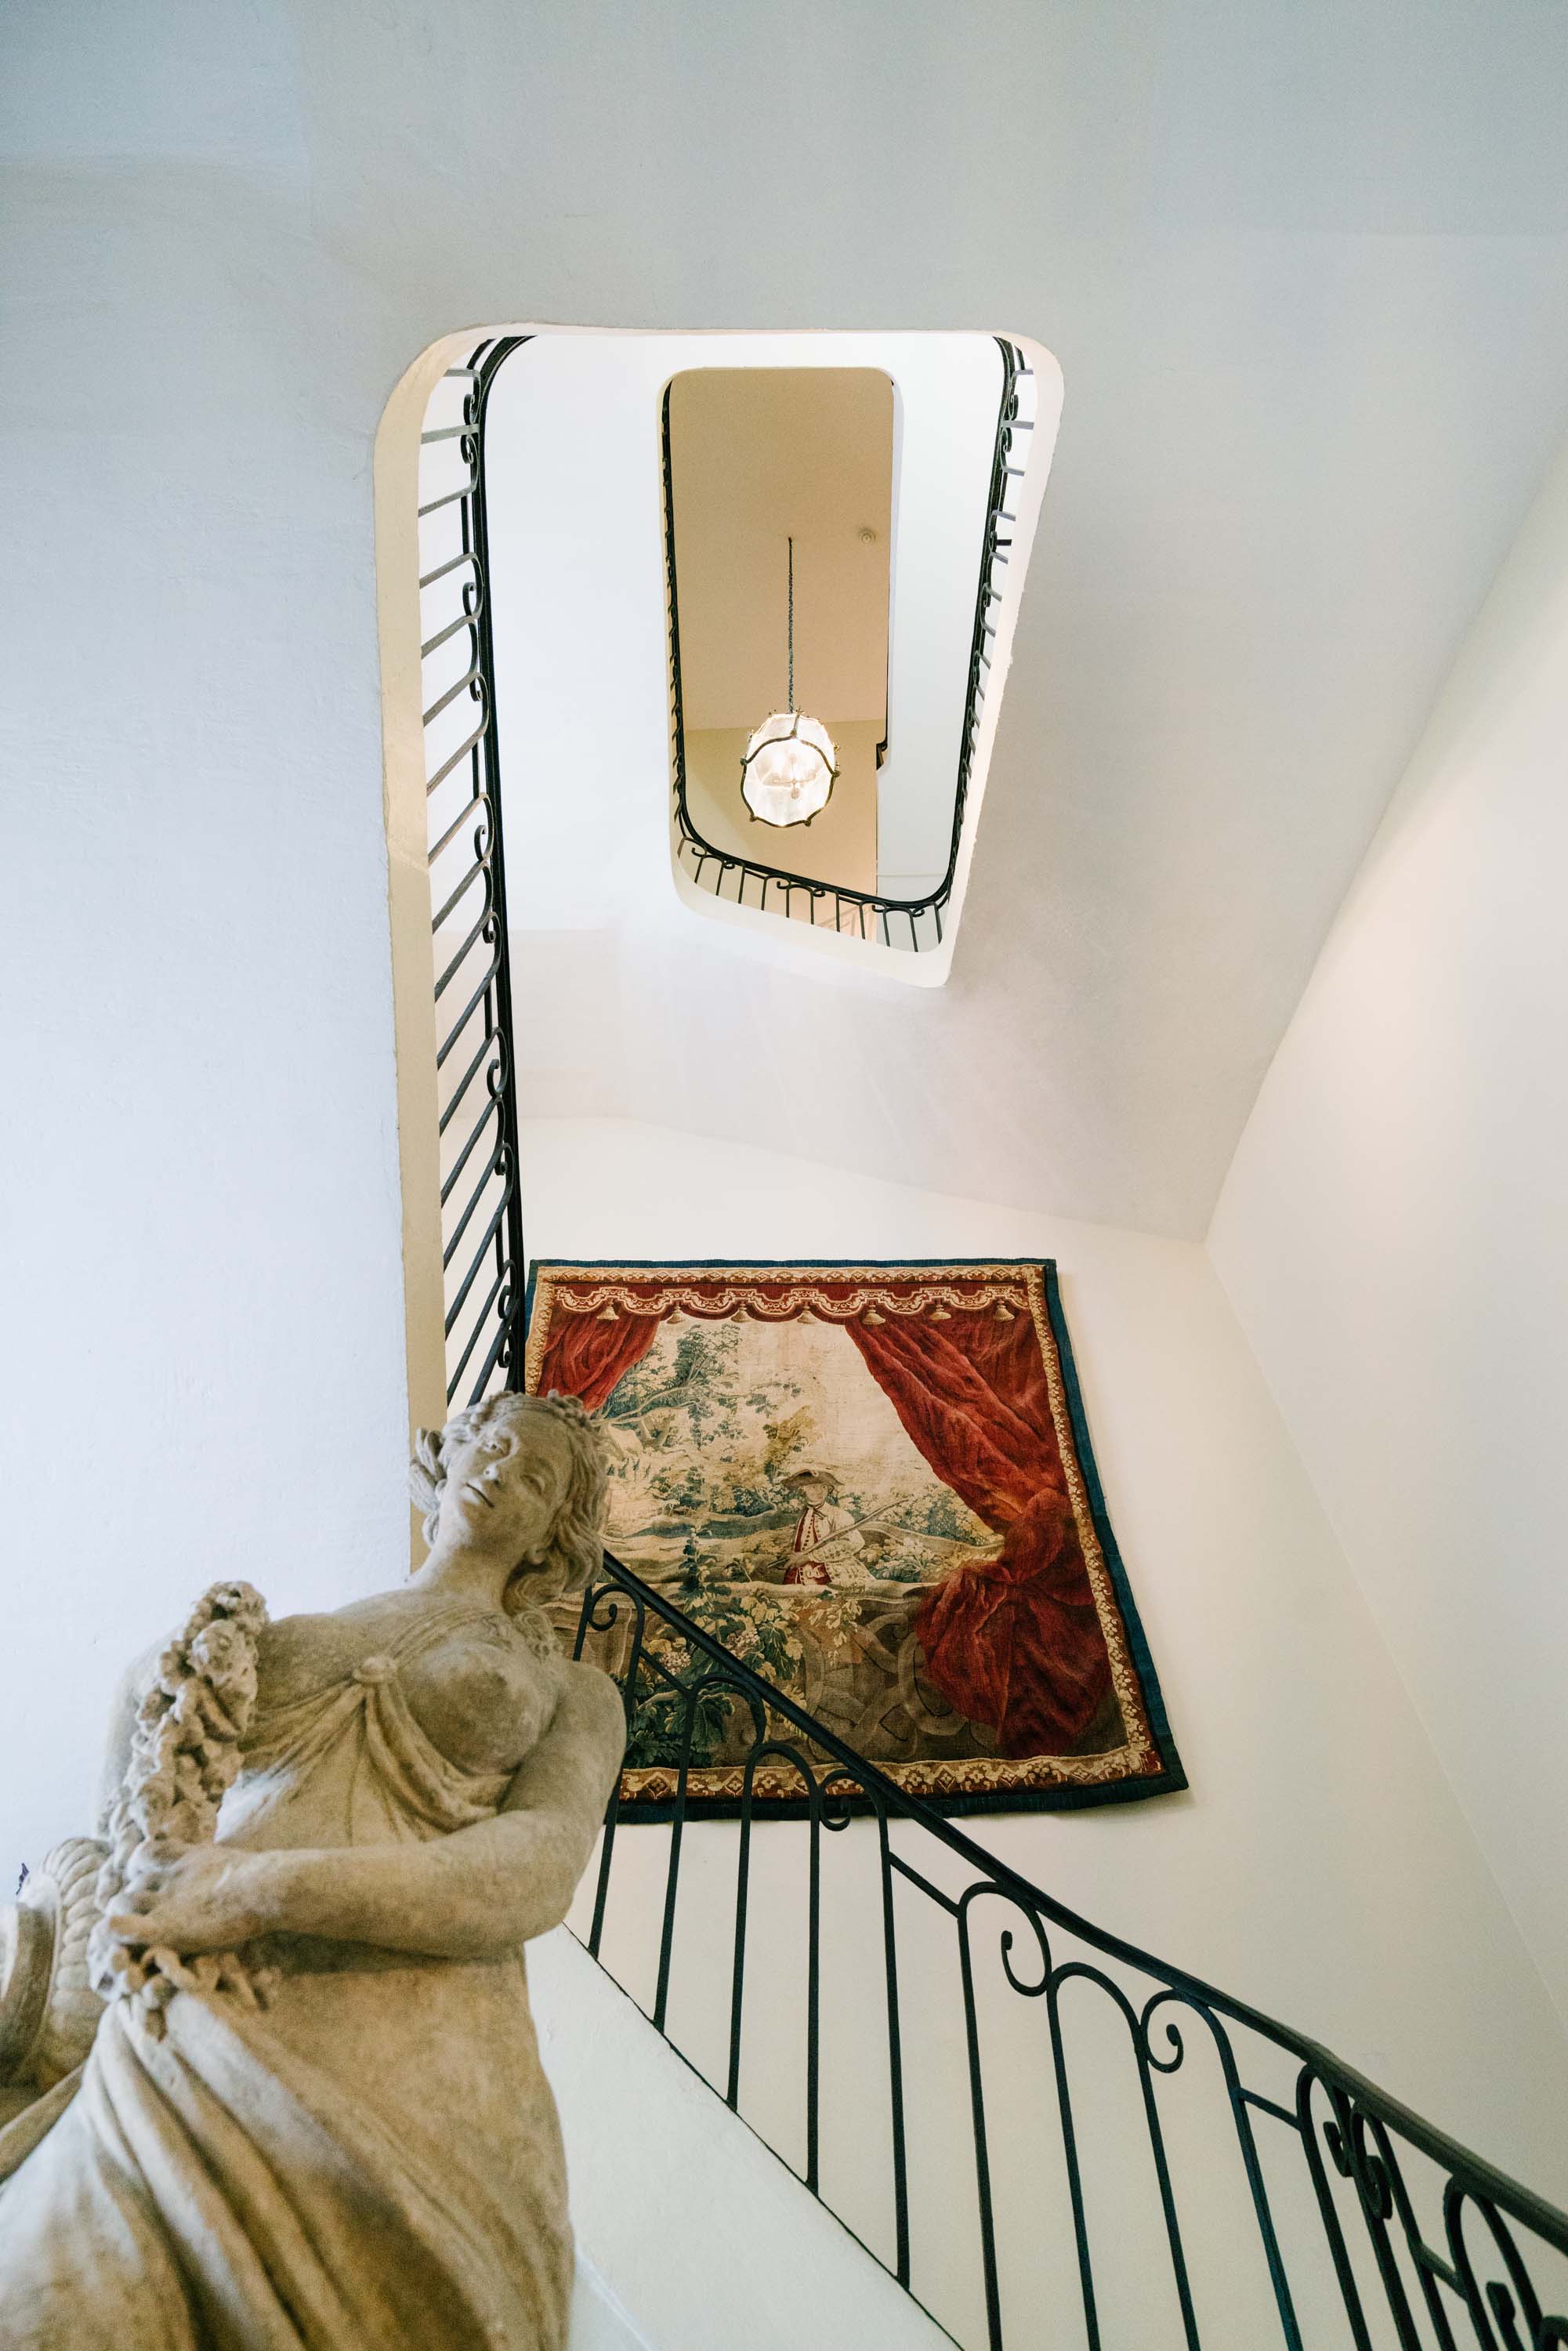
478	1892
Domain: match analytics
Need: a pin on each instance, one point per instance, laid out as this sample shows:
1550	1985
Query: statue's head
519	1474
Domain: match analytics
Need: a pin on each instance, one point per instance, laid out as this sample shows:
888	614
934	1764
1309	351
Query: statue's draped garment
373	2160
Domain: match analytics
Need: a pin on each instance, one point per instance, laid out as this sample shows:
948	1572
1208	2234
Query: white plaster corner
682	2214
598	2321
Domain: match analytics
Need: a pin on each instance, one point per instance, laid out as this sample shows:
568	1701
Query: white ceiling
1306	274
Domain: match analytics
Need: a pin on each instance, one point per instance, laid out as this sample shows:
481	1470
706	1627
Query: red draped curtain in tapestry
587	1355
1014	1642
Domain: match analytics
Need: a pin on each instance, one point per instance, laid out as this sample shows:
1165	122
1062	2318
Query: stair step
685	2218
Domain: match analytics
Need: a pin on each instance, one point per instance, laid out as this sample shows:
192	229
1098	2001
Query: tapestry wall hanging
873	1484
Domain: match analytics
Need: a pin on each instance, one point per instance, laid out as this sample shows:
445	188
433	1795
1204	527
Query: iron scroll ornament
1323	2139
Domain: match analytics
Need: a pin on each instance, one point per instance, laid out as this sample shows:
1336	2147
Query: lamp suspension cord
791	545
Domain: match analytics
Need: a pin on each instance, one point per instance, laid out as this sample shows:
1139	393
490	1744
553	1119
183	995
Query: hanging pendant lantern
788	768
787	771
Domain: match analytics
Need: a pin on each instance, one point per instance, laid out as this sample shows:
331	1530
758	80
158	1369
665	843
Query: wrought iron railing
1222	2181
481	1213
1352	2223
911	924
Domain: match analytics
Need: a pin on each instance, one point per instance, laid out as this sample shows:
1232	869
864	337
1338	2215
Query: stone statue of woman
312	2113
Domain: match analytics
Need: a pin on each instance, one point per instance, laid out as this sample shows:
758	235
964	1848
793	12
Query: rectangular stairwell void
640	494
541	770
778	533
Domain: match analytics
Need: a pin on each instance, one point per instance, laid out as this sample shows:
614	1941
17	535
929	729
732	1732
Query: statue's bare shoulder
575	1765
592	1699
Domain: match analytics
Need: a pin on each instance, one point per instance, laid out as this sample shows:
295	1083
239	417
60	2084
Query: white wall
1319	1865
1394	1234
202	1369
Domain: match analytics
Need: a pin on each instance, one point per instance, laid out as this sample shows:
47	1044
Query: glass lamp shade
787	769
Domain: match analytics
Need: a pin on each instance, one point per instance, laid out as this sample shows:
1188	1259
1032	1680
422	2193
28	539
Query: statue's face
506	1484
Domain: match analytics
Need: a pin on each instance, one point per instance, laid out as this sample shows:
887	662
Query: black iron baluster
1070	2156
742	1895
895	2054
588	1622
1248	2143
673	1868
1148	2065
814	1988
692	1694
1375	2196
742	1892
1430	2269
978	2117
1365	2132
1328	2212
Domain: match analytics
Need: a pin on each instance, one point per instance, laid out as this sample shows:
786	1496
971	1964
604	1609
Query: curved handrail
482	1289
1359	2129
1509	2193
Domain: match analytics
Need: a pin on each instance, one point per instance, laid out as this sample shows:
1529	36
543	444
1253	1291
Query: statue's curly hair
576	1547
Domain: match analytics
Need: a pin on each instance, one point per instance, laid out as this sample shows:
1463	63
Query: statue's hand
192	1898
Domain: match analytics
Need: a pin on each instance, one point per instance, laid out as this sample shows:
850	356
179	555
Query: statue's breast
480	1692
482	1698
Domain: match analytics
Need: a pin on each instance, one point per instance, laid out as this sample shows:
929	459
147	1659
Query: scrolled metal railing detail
1331	2173
911	925
1363	2270
481	1213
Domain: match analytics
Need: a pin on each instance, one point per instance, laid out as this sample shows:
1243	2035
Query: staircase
1040	2134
